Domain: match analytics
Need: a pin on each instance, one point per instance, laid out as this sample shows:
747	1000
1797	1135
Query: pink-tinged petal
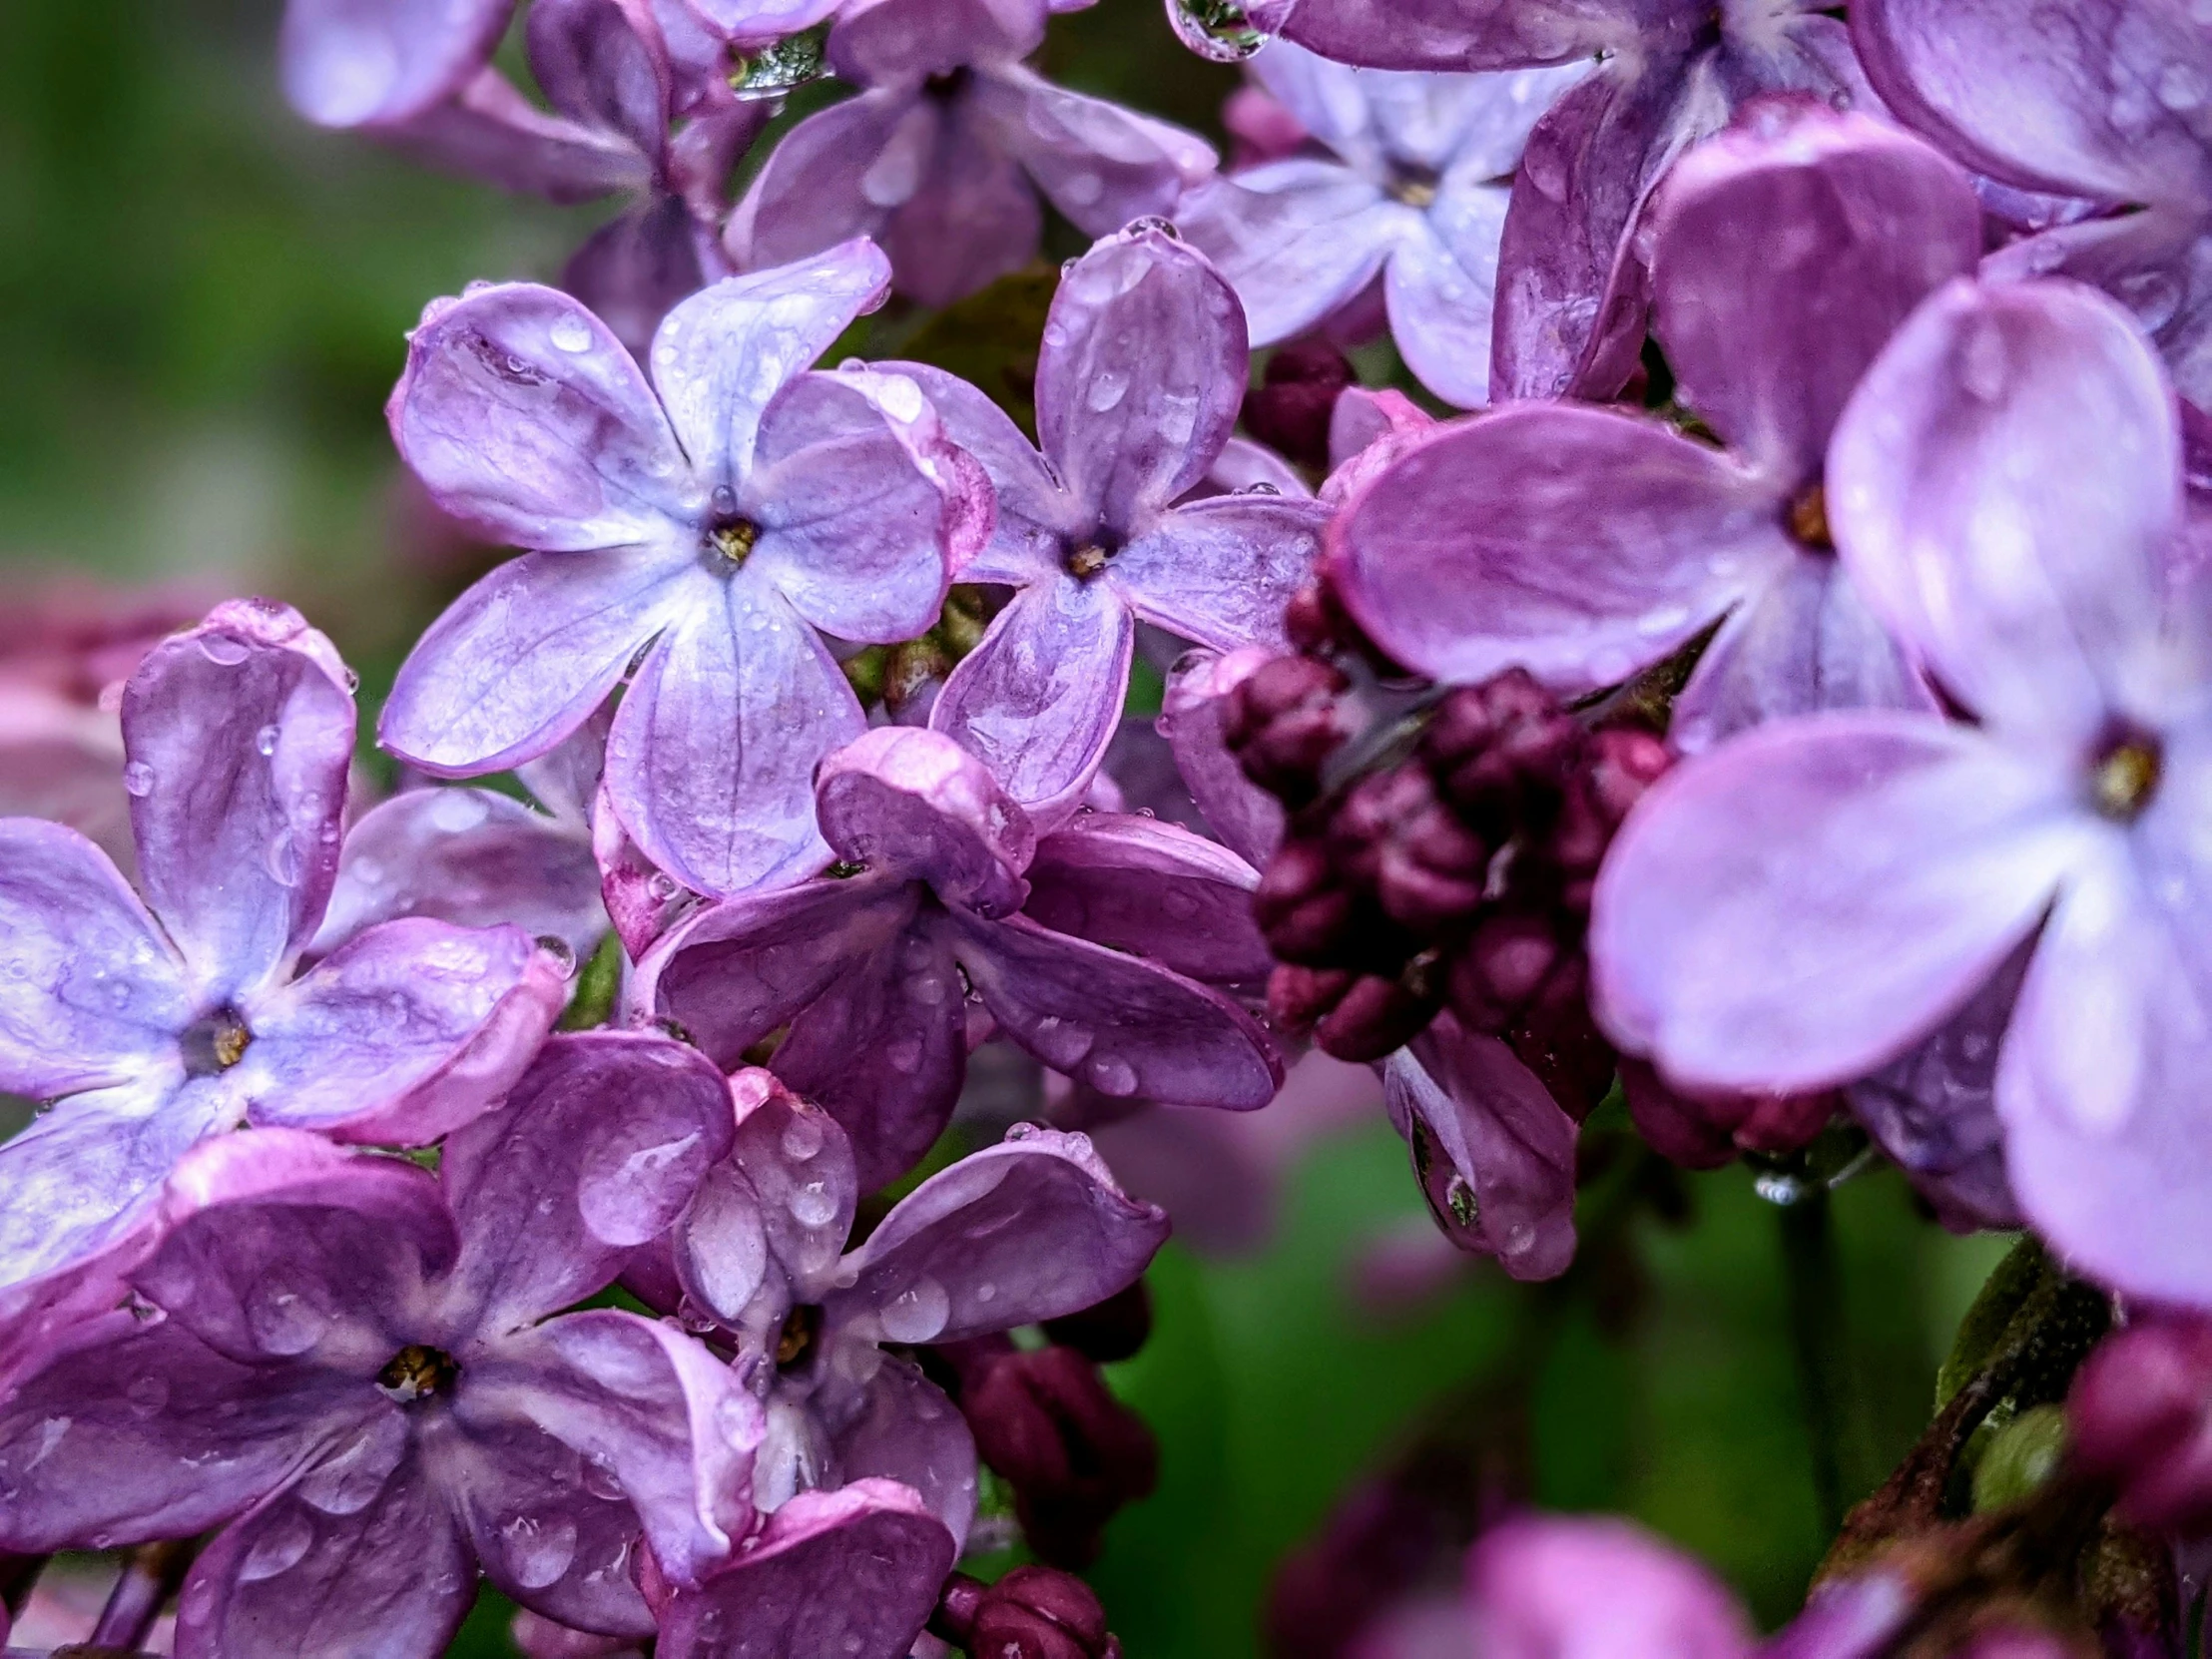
389	1574
917	804
402	1033
722	356
662	1418
1786	251
1221	570
1578	543
524	416
1468	34
240	734
1127	1027
1153	890
860	501
1799	906
1100	163
1554	1588
1144	375
1363	418
593	1153
849	1574
90	992
472	858
1802	641
879	41
490	130
1031	1229
642	902
2004	487
594	66
636	268
730	973
1039	698
1300	239
1441	286
898	1426
1492	1151
2072	105
357	63
1247	818
521	660
711	757
1034	512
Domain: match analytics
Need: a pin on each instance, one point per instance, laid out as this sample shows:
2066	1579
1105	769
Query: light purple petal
240	734
1300	238
1100	163
1221	570
879	41
1441	286
353	63
637	268
1558	1588
916	803
1247	467
1153	890
1466	34
836	175
898	1426
968	215
1799	906
1034	512
2004	487
1247	818
595	68
489	129
642	903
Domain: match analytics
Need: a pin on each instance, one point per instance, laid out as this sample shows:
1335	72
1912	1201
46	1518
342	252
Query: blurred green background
201	310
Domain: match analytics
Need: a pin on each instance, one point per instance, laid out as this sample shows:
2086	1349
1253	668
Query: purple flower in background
152	1024
942	156
1411	187
726	515
1585	543
346	1364
1798	907
378	62
1139	380
2100	99
1031	1229
867	969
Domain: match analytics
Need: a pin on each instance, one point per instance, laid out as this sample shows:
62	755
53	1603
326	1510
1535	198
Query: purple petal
1492	1151
642	903
594	1152
490	131
1221	570
2004	487
1131	432
1300	238
916	803
595	68
1039	698
240	734
1101	165
968	214
1034	512
1247	818
898	1426
1154	890
1127	1027
879	41
524	416
520	661
1465	34
1575	542
1555	1588
355	63
1855	223
638	268
1441	286
1247	467
835	176
849	1574
1797	907
402	1033
711	760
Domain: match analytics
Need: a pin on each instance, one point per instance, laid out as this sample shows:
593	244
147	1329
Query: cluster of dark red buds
1030	1613
1290	409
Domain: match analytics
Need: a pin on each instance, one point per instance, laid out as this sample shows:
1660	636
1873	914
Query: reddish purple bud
1116	1329
1030	1613
1355	1016
1289	411
1503	753
1304	908
1282	722
1706	1133
2140	1415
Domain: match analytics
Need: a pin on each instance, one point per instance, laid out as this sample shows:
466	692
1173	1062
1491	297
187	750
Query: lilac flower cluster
1789	701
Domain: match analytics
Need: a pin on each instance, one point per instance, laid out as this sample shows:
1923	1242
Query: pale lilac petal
711	760
1031	1229
917	804
642	903
1467	34
1034	512
1799	906
521	660
836	175
1247	818
355	63
1220	571
1578	543
490	130
1125	1026
2004	487
879	41
1300	238
90	992
524	416
565	779
1555	1588
1802	641
404	1032
1441	286
636	268
240	734
723	354
593	1153
1786	251
900	1427
1100	163
1039	700
1153	890
1131	426
595	68
972	216
849	1574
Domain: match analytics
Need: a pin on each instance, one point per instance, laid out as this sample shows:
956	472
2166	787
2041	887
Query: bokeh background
203	305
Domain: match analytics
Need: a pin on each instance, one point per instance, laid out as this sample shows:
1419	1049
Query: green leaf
2002	1295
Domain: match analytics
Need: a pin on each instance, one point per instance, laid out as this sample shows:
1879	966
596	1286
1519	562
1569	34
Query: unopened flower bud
1355	1016
1304	907
1282	722
2140	1413
1289	411
1503	753
1030	1613
1707	1132
1116	1329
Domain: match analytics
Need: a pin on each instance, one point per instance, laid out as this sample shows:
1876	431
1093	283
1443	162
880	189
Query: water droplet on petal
287	1538
1459	1200
1110	1074
147	1393
265	741
570	333
222	650
918	1312
812	1203
802	1138
1106	390
137	778
284	859
538	1552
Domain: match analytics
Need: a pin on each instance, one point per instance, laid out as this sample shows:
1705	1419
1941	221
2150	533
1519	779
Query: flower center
734	539
948	85
802	1329
1414	185
1086	558
215	1044
416	1373
2126	778
1808	520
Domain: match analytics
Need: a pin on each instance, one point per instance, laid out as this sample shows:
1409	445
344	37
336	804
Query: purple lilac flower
867	969
727	515
1248	820
378	62
353	1369
1585	543
1139	380
150	1024
1028	1229
1408	185
2101	98
943	154
1798	907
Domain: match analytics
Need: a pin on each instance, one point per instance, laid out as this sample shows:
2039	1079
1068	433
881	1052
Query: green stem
1816	1340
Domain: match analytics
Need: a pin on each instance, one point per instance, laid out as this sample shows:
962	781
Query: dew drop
287	1537
802	1138
1985	361
137	778
284	859
538	1552
1459	1200
812	1203
1110	1074
265	741
147	1394
918	1312
222	650
570	333
1106	390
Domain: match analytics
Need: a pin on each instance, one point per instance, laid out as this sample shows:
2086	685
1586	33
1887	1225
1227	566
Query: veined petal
1100	163
836	175
1152	890
1300	238
1441	286
917	804
899	1426
1034	512
1221	570
971	217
